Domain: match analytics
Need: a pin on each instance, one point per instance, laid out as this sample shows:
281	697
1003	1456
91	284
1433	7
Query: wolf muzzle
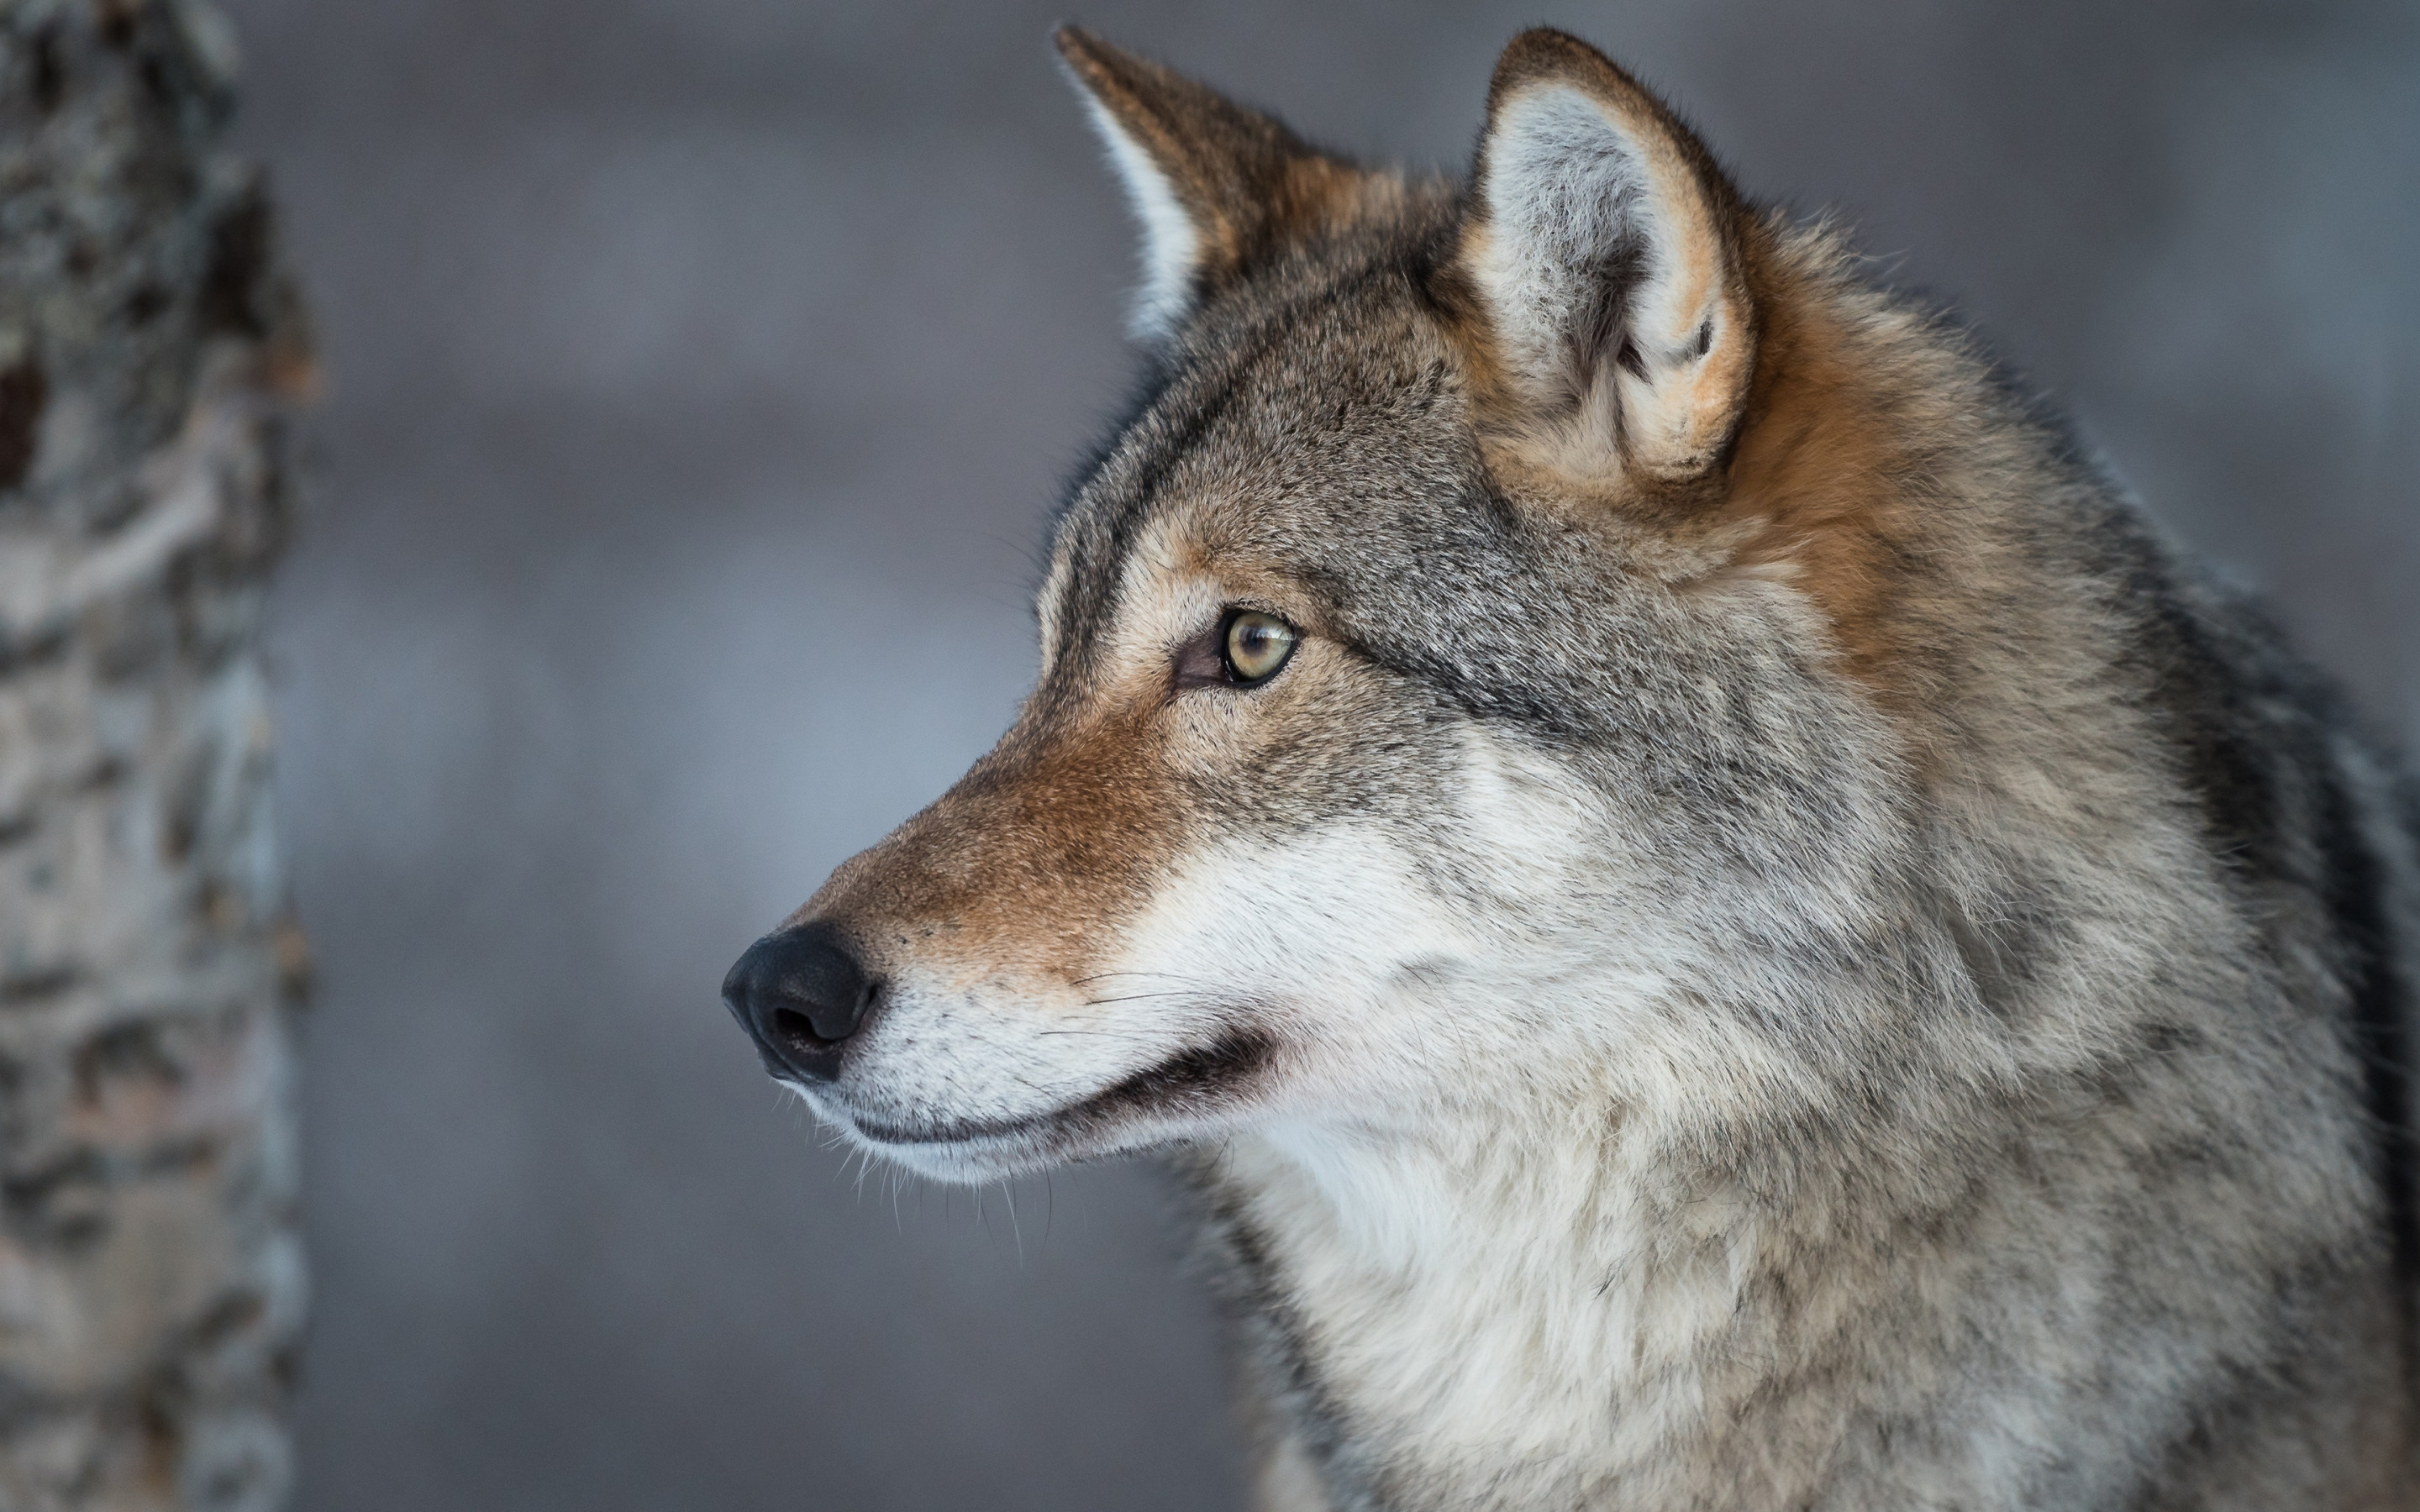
800	994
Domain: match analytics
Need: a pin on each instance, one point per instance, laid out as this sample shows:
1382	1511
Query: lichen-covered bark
150	1283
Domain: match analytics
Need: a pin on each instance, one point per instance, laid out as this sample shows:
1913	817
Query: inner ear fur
1217	186
1605	247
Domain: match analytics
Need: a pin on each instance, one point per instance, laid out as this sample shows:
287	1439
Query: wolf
1714	920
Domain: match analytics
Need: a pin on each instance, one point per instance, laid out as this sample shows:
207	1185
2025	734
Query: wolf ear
1215	185
1605	245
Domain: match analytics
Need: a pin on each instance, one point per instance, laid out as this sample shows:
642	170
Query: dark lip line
1190	1081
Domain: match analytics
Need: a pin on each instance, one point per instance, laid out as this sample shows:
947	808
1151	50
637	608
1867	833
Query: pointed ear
1605	245
1216	186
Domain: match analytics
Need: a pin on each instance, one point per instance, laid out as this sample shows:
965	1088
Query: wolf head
1461	683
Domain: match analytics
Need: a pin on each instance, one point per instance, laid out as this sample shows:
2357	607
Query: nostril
795	1029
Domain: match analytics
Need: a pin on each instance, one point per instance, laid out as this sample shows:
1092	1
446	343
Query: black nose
800	994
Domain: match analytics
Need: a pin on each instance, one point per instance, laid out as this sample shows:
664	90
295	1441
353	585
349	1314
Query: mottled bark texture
150	1280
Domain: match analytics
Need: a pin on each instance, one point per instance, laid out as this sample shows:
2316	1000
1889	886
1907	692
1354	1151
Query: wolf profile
1715	922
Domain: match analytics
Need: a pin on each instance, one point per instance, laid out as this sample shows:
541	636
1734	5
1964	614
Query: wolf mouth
1194	1081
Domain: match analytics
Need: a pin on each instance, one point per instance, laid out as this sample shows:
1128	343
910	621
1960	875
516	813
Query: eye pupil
1257	645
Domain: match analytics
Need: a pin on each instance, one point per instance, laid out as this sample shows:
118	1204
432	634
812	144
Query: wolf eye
1256	646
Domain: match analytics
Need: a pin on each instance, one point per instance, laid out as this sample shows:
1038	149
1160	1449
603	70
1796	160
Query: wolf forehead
1319	398
1311	441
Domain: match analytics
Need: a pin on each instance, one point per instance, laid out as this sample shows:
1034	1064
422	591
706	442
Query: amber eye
1257	645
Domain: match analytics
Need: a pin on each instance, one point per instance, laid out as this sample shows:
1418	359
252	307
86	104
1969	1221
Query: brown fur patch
1831	470
1028	865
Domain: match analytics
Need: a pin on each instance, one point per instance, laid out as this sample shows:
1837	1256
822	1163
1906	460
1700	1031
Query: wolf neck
1413	1297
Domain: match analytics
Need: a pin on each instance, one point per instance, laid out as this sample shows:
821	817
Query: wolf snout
800	994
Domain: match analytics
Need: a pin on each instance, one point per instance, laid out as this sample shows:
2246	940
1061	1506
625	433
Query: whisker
1165	976
1119	1031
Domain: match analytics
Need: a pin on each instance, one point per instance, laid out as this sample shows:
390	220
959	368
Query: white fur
1171	244
1565	185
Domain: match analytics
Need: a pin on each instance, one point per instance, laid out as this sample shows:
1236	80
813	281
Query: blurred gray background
703	370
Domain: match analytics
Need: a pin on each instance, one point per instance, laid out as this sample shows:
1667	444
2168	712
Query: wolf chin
1715	920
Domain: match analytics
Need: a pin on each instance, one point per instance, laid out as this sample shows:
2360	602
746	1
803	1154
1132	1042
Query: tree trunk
151	1279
